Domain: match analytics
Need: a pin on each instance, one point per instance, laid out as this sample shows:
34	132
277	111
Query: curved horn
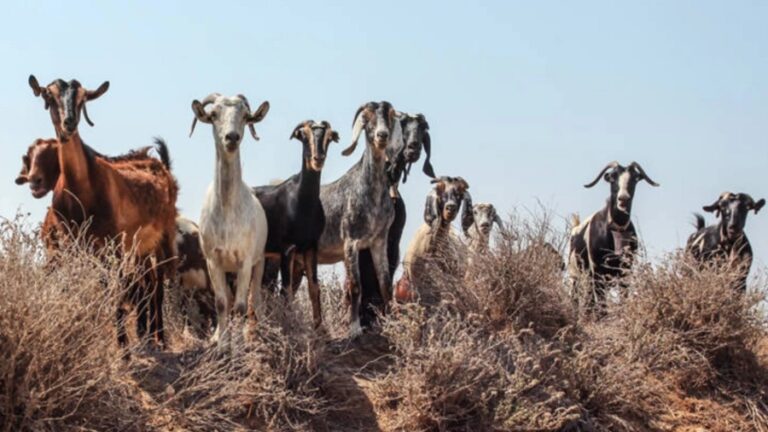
611	165
643	174
357	128
199	109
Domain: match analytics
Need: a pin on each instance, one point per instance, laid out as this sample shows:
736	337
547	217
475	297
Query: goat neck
228	175
75	168
617	219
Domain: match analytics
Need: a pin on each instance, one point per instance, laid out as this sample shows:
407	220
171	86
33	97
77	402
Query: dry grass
501	348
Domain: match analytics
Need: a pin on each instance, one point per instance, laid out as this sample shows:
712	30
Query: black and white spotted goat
402	155
603	246
726	241
358	208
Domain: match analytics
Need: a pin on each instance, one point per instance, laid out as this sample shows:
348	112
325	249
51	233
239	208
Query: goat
294	212
401	156
604	244
40	168
479	233
233	226
130	200
435	238
197	300
358	208
726	242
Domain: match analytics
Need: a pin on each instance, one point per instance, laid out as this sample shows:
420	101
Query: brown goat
132	200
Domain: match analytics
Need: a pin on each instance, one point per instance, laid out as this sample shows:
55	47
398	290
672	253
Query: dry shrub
59	362
451	374
268	381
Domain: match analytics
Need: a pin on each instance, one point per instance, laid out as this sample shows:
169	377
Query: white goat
479	233
233	226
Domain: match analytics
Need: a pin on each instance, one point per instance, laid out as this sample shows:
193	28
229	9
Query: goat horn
611	165
208	100
642	173
357	129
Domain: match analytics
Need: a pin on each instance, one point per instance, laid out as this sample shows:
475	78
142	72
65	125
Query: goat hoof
355	329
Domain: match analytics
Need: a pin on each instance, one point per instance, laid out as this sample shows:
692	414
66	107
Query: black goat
402	156
726	242
605	243
295	215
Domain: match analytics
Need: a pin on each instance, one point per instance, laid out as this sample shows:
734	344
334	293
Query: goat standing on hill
295	214
726	241
233	226
358	208
604	244
435	238
133	200
401	155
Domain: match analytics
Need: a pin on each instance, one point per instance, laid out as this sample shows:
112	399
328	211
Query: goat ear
432	208
36	89
298	132
467	213
260	113
94	94
497	220
357	129
200	114
713	208
22	179
334	136
758	205
427	144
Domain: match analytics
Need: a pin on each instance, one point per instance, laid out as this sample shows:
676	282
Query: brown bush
59	365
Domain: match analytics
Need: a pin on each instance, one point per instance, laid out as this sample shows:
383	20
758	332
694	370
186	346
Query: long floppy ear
23	175
496	219
467	213
610	165
426	142
357	129
714	207
433	206
758	205
93	94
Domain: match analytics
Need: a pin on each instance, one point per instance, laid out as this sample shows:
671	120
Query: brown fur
131	199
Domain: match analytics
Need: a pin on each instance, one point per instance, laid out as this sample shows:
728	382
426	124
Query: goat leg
257	301
353	285
313	285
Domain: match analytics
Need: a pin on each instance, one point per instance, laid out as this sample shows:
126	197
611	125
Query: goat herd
247	236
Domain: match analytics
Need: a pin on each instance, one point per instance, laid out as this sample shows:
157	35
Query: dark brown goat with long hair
131	200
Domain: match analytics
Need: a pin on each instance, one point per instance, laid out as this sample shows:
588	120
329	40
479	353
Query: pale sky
526	100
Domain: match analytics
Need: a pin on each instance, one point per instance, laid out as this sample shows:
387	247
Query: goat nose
382	134
69	124
451	207
232	137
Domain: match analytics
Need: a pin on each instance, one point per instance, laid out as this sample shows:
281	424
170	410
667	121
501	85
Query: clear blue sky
526	100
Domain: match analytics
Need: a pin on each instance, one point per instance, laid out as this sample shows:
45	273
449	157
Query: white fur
624	179
233	225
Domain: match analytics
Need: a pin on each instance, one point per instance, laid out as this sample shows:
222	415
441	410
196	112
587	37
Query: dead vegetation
503	347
